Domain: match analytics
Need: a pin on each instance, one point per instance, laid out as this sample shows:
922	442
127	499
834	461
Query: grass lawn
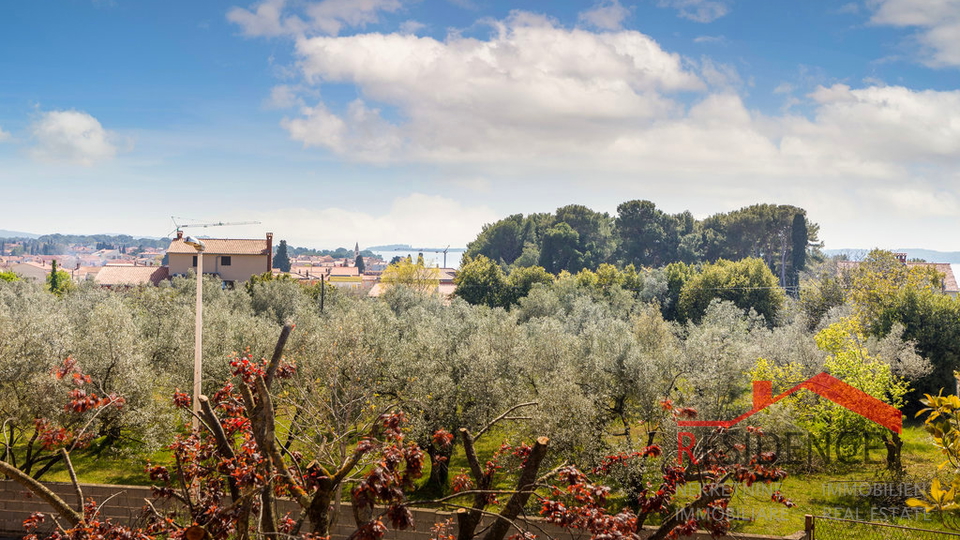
843	491
128	470
836	490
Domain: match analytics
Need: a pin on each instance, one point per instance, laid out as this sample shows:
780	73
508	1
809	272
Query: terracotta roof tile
222	246
344	271
949	279
131	275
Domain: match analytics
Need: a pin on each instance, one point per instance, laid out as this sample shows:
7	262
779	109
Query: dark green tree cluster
747	283
682	292
650	237
778	234
281	259
482	281
575	237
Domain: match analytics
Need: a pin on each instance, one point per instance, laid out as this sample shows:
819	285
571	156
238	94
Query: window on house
194	261
225	260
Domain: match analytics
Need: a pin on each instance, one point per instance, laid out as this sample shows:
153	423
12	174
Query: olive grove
582	376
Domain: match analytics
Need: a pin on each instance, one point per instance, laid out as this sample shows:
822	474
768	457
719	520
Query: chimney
269	252
179	234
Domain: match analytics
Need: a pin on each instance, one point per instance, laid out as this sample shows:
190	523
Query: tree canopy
747	283
281	260
414	275
575	237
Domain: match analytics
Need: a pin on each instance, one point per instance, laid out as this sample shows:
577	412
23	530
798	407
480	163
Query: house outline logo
822	384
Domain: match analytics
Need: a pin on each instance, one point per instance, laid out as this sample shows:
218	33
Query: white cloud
889	124
605	15
284	96
702	11
784	88
417	218
329	17
535	93
531	88
264	20
718	74
938	23
918	199
361	132
710	39
477	184
616	110
72	137
411	27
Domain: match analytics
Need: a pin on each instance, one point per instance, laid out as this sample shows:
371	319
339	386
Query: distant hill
17	234
408	247
391	247
929	255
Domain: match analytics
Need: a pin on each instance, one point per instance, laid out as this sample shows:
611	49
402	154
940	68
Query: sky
417	121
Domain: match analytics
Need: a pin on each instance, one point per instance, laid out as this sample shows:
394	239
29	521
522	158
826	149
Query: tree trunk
691	509
525	487
894	444
468	521
319	510
439	469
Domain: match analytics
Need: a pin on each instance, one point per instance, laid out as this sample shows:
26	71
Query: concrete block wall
125	504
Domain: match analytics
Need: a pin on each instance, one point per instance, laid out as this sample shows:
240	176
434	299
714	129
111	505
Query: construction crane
444	251
205	225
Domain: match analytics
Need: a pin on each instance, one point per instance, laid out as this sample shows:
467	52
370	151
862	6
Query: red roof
949	279
131	275
221	246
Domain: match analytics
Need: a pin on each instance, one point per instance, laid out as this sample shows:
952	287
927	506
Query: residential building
948	285
29	271
112	276
233	260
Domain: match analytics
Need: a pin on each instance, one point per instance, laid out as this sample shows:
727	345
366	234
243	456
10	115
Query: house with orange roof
233	260
445	286
948	284
113	276
29	270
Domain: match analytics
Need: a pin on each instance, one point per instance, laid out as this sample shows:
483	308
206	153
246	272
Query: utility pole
198	330
323	292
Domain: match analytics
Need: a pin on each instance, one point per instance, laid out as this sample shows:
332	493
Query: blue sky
381	121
